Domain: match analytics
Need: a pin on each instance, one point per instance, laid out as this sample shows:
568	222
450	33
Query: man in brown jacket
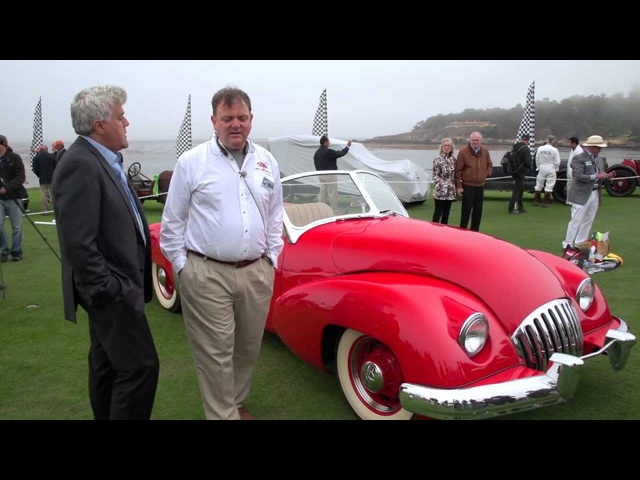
473	167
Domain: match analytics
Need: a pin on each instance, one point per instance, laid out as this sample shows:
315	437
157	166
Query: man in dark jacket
326	158
12	193
521	149
43	165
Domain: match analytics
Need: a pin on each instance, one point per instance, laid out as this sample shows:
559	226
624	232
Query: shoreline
491	146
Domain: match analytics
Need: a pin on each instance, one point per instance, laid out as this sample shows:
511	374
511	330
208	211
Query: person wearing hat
521	149
584	192
58	149
547	163
43	165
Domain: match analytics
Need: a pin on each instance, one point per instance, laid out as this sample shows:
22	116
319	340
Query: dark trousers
472	198
123	362
442	210
516	195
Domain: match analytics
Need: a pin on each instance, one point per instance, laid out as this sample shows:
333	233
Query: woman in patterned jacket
444	185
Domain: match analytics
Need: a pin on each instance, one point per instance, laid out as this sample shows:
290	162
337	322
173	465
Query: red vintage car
146	187
412	320
626	179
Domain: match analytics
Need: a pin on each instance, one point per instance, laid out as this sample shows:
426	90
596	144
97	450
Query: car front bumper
556	385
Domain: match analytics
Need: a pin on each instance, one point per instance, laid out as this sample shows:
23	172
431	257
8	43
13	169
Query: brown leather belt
240	264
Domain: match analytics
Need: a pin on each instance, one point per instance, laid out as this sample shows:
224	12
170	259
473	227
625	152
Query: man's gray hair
95	103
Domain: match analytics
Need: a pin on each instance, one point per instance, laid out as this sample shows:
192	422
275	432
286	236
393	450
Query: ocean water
156	156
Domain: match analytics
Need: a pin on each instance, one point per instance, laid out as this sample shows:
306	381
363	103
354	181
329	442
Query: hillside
615	118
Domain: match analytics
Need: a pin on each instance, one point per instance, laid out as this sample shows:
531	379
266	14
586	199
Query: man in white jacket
576	149
547	163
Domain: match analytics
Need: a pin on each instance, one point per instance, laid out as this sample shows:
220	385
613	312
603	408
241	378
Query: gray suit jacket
106	266
581	183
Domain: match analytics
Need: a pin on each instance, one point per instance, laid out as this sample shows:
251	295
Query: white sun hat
594	141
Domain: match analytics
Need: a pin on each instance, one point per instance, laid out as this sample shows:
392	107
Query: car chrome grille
551	328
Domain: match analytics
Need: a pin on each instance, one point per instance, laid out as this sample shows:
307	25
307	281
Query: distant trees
615	118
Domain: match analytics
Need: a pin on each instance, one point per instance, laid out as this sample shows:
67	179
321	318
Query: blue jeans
11	209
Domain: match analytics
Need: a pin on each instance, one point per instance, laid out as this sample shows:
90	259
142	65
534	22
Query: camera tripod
18	202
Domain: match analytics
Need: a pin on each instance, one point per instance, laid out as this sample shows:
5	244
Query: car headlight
474	334
585	294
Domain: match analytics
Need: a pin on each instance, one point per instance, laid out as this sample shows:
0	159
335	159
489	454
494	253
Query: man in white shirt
222	231
576	149
547	163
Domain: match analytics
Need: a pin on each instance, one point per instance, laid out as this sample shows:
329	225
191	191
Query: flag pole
528	122
183	142
320	122
37	132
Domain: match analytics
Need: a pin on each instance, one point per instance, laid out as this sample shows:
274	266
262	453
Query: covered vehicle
408	180
412	322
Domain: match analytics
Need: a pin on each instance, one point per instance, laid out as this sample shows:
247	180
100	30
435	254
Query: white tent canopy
294	154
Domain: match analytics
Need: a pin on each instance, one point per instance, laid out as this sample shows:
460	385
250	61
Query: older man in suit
584	192
106	257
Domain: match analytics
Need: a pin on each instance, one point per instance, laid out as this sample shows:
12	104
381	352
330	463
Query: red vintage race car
413	321
626	179
146	187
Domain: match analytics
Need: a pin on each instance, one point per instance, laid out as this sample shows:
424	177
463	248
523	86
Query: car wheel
370	377
623	184
166	291
134	169
560	188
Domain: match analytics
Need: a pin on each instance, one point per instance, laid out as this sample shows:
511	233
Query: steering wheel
134	169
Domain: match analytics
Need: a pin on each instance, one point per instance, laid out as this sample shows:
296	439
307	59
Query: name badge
268	184
588	163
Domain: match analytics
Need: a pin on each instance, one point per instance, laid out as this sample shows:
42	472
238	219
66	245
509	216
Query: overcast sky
366	98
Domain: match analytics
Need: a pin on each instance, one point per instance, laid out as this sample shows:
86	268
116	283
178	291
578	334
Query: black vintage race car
502	182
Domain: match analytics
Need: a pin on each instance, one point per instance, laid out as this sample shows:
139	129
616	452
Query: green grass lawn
43	357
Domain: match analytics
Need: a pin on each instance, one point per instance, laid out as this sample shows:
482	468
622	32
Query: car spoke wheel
166	291
370	377
622	185
134	169
560	188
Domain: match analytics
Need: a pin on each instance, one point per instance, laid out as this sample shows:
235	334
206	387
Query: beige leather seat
302	214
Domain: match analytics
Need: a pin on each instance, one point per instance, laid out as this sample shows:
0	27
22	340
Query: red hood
496	271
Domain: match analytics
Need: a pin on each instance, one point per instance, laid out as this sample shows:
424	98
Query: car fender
419	318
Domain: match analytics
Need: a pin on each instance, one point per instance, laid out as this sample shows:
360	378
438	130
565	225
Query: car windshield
309	197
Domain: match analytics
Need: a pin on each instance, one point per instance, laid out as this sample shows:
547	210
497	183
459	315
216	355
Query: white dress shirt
572	154
221	211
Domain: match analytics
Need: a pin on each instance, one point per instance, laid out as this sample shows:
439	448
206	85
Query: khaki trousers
329	191
45	188
225	310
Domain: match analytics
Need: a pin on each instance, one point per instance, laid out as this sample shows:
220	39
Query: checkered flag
183	143
37	131
320	123
528	123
